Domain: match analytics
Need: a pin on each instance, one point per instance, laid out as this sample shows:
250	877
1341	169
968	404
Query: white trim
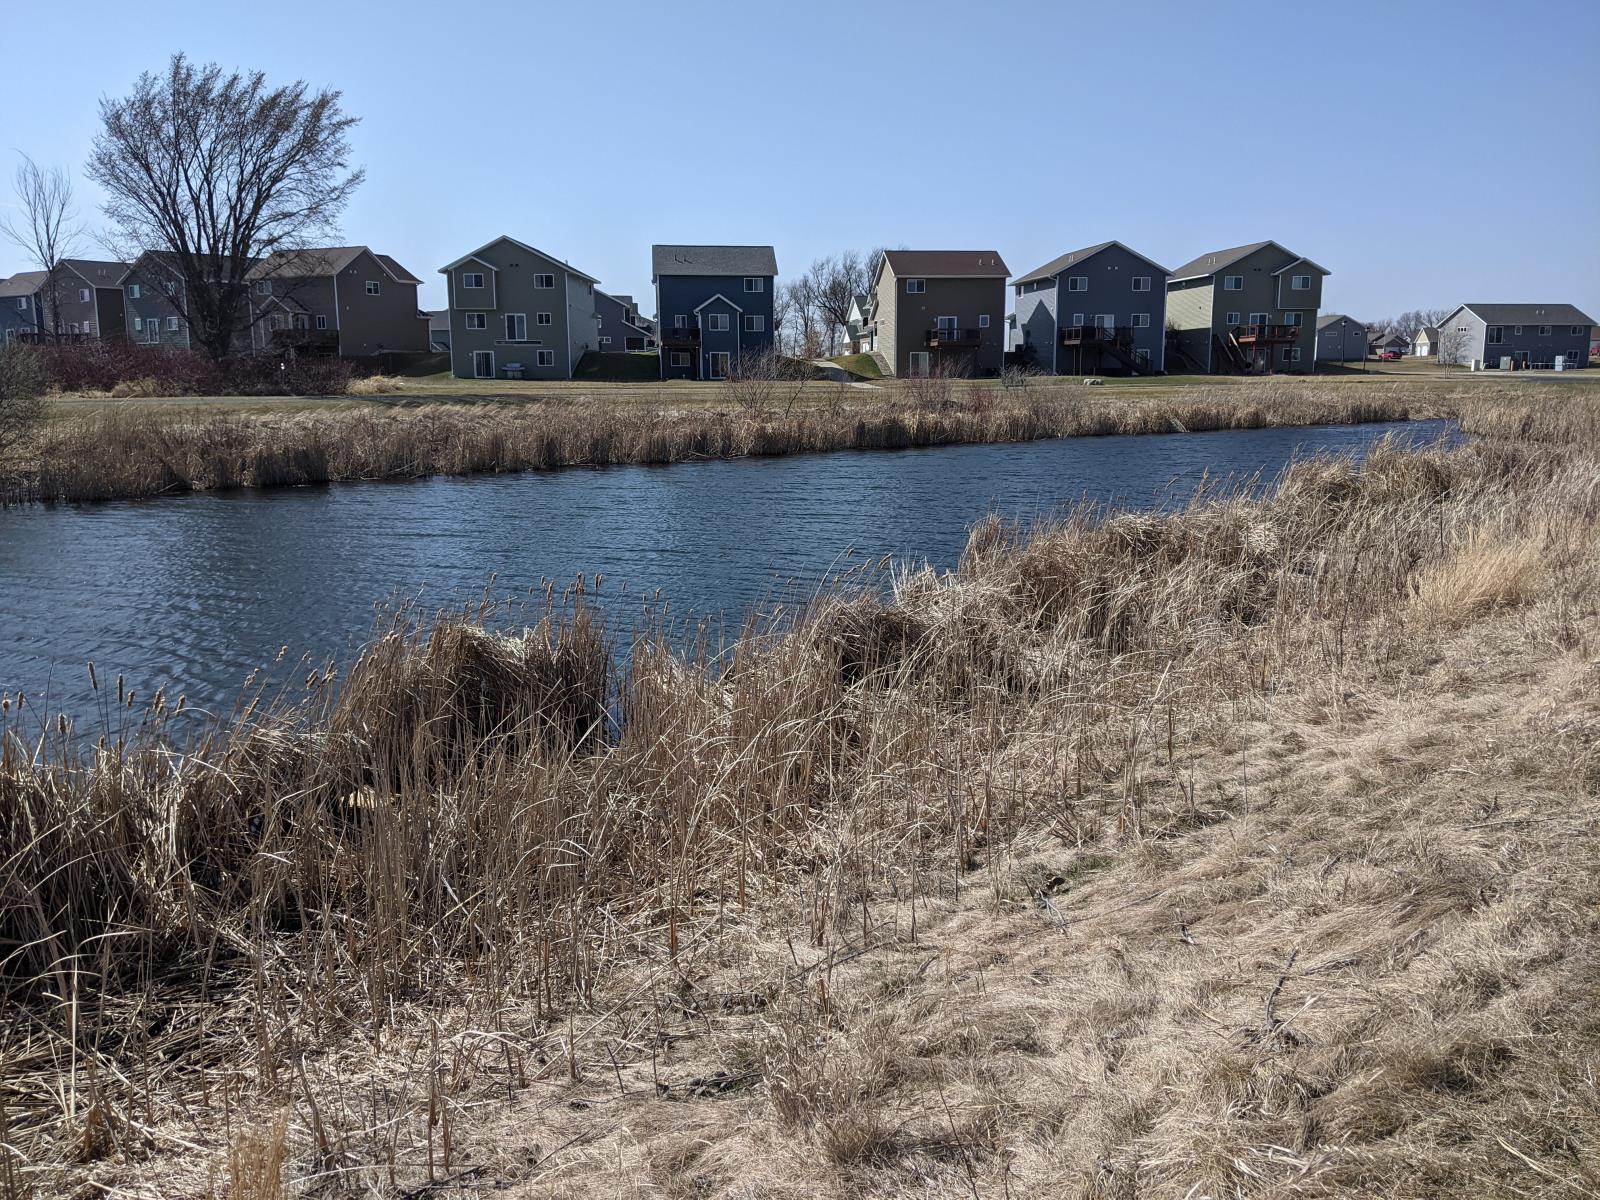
760	282
760	325
922	285
711	358
1227	278
1081	280
505	325
718	296
543	319
544	287
1138	279
466	322
713	318
539	358
983	320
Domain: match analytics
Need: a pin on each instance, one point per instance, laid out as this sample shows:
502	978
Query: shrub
22	380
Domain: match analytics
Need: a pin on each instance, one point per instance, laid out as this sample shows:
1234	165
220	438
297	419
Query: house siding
911	316
508	288
1037	323
383	324
1540	349
614	324
1258	293
1108	291
1189	314
682	294
153	304
1342	345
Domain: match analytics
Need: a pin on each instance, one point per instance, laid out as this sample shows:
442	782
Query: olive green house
1245	310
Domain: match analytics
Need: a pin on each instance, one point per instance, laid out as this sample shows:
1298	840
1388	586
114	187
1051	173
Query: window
1300	283
543	319
719	323
681	321
680	358
83	295
754	283
1258	318
172	324
717	364
1286	350
1293	318
263	287
322	321
1576	330
516	327
916	286
1544	331
1142	357
170	287
919	362
1231	319
755	323
482	362
1233	283
88	327
1077	283
1517	329
546	358
544	282
605	341
138	324
22	303
1141	283
1495	335
983	320
472	279
477	320
1077	320
133	291
1141	320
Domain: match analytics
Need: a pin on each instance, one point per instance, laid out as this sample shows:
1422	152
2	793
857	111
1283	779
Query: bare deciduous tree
766	379
46	230
221	170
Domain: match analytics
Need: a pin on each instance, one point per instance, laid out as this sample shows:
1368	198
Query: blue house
1102	309
714	305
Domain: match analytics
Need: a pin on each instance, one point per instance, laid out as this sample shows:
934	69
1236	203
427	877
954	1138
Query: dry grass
1154	855
375	385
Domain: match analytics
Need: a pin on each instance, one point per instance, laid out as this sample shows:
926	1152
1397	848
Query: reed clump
951	884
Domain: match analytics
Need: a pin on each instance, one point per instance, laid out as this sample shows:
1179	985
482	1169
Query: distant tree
46	229
834	285
1454	343
222	170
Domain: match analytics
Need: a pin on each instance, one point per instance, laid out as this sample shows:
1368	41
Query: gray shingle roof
97	272
322	260
1332	318
1530	314
23	283
947	264
713	260
1216	260
1056	265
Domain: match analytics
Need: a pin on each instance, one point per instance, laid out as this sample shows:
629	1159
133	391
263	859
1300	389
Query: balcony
689	336
315	340
951	338
1265	335
1086	335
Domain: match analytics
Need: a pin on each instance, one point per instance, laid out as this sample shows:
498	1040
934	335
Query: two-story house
858	325
341	300
517	312
621	326
1246	309
714	305
1523	335
1099	310
940	311
1341	339
156	306
80	299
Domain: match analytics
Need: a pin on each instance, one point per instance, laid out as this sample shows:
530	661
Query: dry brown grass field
1245	851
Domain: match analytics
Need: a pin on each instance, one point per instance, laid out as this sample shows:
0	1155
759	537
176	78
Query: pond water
194	593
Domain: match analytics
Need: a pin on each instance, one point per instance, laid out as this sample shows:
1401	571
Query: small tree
766	378
46	230
222	170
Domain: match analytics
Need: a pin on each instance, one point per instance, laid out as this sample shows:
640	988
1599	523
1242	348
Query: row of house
338	300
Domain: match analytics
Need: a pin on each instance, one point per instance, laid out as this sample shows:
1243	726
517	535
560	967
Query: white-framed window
1077	283
1258	319
545	358
372	288
983	320
472	279
1231	319
477	320
1291	353
680	358
718	322
263	287
919	362
1576	330
1233	283
755	323
754	283
543	319
1141	283
1142	356
1494	335
138	324
1141	320
172	324
680	321
916	286
1300	283
1544	331
544	282
22	303
1517	329
717	364
605	341
133	291
88	327
482	363
322	321
83	295
1293	318
1077	320
516	327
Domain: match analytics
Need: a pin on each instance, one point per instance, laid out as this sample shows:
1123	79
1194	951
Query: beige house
939	311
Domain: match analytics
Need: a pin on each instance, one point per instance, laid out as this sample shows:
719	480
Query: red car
1389	356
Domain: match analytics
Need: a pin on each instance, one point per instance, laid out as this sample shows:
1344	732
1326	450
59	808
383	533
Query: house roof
323	260
169	260
473	256
1429	332
947	264
712	260
1528	314
1380	336
1333	318
438	318
1219	260
97	272
1056	265
23	283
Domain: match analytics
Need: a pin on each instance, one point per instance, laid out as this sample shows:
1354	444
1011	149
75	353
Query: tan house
344	300
939	311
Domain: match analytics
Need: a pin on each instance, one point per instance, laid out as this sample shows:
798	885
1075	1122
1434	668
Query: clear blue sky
1424	161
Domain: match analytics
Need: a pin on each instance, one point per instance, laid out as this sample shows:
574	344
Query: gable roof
714	299
438	318
23	283
1427	333
947	264
96	272
1331	318
560	262
169	260
712	260
1219	260
317	261
1056	265
1527	314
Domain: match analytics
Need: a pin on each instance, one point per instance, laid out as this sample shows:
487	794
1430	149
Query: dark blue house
713	307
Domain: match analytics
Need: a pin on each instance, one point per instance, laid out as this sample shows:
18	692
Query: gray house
1248	309
1341	339
155	304
343	300
621	326
518	313
1517	335
1384	341
714	304
1099	310
21	308
439	330
81	299
939	311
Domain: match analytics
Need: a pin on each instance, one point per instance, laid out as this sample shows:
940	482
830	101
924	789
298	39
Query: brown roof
947	264
318	261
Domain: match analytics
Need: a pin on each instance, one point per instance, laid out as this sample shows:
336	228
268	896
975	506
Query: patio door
717	364
1106	321
946	325
483	364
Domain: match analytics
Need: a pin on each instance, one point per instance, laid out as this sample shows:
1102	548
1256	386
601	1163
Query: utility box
1561	362
1507	363
1477	364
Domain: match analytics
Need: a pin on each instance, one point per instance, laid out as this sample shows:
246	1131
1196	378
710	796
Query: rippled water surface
193	593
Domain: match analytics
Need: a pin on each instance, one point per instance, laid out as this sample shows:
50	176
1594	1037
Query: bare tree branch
47	232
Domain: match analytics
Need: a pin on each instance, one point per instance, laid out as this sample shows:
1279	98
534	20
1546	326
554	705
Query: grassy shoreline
1250	845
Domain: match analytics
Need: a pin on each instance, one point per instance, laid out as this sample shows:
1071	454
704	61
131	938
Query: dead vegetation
1246	850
